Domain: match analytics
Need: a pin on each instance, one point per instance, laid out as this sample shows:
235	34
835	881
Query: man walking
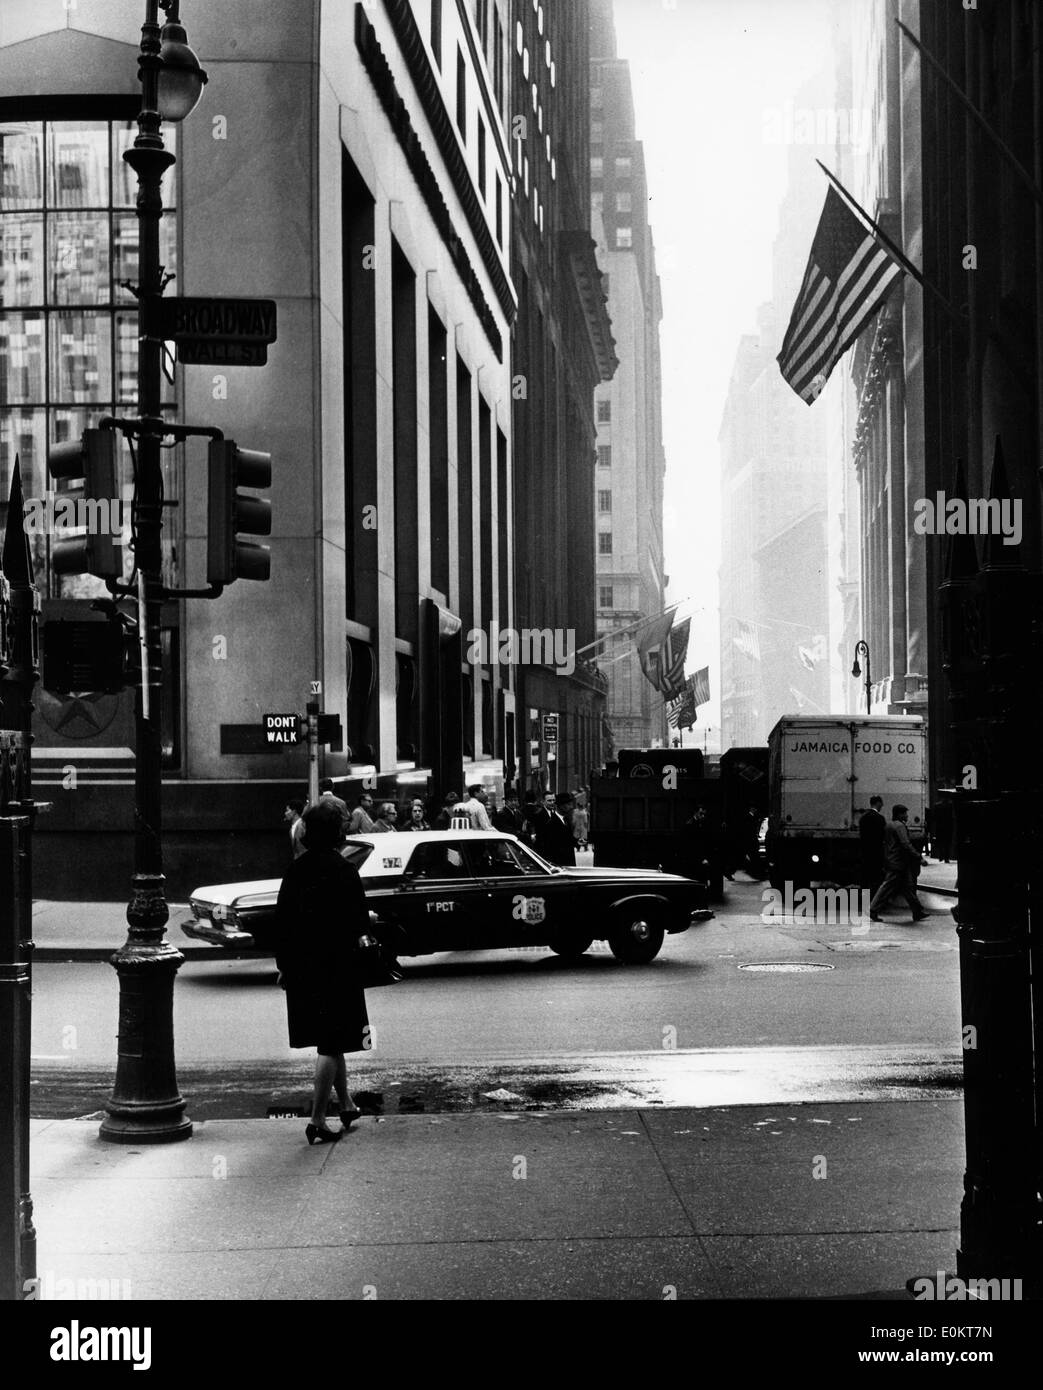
327	797
509	818
293	817
474	808
901	862
871	830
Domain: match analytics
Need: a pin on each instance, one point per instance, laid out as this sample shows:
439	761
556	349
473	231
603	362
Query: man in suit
558	844
509	818
901	862
871	829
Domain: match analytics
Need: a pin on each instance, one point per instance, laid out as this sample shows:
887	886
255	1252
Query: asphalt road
873	1013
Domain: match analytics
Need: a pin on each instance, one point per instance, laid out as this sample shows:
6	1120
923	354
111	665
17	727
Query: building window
68	324
461	95
604	542
597	200
624	202
597	98
604	455
622	166
597	132
624	238
597	167
436	30
605	596
604	411
519	37
604	500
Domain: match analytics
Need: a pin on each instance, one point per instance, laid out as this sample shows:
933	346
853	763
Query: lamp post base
145	1106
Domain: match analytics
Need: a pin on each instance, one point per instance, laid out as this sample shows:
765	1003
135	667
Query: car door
438	900
524	900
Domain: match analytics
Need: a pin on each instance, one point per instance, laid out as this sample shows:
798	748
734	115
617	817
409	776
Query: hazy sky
707	74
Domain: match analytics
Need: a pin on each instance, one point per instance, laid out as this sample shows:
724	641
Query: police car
472	890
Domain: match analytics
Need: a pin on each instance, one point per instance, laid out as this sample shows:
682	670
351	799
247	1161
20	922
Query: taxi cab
473	890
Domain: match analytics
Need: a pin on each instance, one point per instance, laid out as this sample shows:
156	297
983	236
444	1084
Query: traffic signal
89	503
231	512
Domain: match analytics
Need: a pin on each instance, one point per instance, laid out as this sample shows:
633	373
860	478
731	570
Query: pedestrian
871	830
580	820
508	819
541	823
443	821
321	915
387	820
327	794
559	847
292	816
530	816
361	822
416	819
901	865
474	808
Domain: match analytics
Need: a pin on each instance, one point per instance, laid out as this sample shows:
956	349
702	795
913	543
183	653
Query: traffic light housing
87	469
232	513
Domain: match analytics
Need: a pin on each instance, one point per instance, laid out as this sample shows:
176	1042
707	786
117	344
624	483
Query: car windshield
356	853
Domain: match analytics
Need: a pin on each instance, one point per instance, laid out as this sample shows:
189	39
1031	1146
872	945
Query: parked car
471	891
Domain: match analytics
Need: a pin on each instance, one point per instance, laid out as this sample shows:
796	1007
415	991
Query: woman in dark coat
322	913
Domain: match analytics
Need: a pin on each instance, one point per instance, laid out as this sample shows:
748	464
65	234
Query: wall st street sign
219	332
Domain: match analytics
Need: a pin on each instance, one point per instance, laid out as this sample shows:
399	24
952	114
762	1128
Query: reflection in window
68	327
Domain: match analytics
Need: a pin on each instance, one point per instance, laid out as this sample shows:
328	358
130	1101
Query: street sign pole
313	751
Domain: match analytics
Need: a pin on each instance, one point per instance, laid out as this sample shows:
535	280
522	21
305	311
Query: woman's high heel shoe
348	1118
316	1134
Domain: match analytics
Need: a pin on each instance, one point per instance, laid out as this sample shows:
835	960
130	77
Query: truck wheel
638	938
570	947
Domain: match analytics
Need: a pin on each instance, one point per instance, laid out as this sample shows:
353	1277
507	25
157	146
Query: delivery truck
822	770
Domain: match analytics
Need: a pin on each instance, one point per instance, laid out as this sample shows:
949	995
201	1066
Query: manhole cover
786	967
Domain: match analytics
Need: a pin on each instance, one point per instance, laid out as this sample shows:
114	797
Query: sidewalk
792	1201
939	877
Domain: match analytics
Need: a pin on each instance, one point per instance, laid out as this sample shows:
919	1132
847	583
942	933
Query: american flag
848	277
681	712
700	684
747	640
674	653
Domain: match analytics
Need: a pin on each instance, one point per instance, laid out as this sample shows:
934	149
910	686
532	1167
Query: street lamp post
145	1106
862	649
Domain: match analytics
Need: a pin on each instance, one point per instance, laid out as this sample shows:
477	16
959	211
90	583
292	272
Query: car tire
571	947
638	937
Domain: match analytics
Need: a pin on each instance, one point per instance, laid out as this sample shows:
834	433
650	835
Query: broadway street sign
223	332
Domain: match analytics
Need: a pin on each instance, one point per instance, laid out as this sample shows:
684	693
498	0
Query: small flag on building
813	653
681	711
848	277
746	639
700	684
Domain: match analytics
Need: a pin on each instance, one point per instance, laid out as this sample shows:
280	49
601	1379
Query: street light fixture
181	79
861	649
145	1105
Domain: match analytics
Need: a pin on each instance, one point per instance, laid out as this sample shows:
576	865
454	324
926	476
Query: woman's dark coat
322	913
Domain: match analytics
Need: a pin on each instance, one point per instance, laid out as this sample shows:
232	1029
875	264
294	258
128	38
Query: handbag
375	963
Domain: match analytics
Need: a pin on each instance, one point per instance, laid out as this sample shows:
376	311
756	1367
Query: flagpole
898	254
975	115
631	627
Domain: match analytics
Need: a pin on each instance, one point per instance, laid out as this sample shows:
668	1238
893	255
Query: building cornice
380	74
411	43
578	248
